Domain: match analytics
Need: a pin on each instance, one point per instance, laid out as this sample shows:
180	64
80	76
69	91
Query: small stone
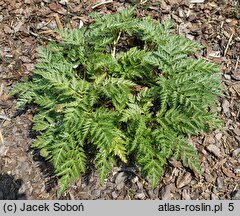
225	106
114	195
219	109
135	180
218	136
215	150
190	37
140	196
63	2
40	25
52	24
120	180
227	76
237	170
22	189
220	183
80	24
181	13
235	195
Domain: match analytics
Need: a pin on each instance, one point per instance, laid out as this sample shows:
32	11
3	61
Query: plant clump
127	89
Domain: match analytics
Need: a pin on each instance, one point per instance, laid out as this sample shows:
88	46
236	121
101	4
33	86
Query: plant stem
115	45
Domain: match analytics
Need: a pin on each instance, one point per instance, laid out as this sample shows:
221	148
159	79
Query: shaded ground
9	188
24	25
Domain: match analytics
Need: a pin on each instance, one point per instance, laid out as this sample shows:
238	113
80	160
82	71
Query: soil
24	174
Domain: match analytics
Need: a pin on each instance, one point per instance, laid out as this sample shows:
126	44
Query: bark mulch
27	24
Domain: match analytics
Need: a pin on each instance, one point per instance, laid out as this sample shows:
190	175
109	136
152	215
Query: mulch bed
26	25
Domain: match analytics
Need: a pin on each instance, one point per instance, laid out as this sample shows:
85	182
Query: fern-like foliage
141	100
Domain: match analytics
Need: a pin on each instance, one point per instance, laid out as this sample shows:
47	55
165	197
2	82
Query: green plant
125	88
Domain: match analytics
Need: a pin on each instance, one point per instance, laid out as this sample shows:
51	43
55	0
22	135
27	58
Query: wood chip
58	21
183	180
215	150
101	3
197	1
1	138
57	8
228	172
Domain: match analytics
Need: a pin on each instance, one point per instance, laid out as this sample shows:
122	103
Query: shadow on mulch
47	169
9	188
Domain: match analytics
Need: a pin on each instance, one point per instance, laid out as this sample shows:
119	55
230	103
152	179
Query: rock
227	76
114	195
52	25
215	150
120	180
225	106
80	24
237	170
220	183
63	2
190	37
235	195
140	196
181	13
218	136
135	180
183	180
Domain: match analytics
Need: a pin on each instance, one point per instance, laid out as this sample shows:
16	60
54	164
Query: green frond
123	87
104	163
189	156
